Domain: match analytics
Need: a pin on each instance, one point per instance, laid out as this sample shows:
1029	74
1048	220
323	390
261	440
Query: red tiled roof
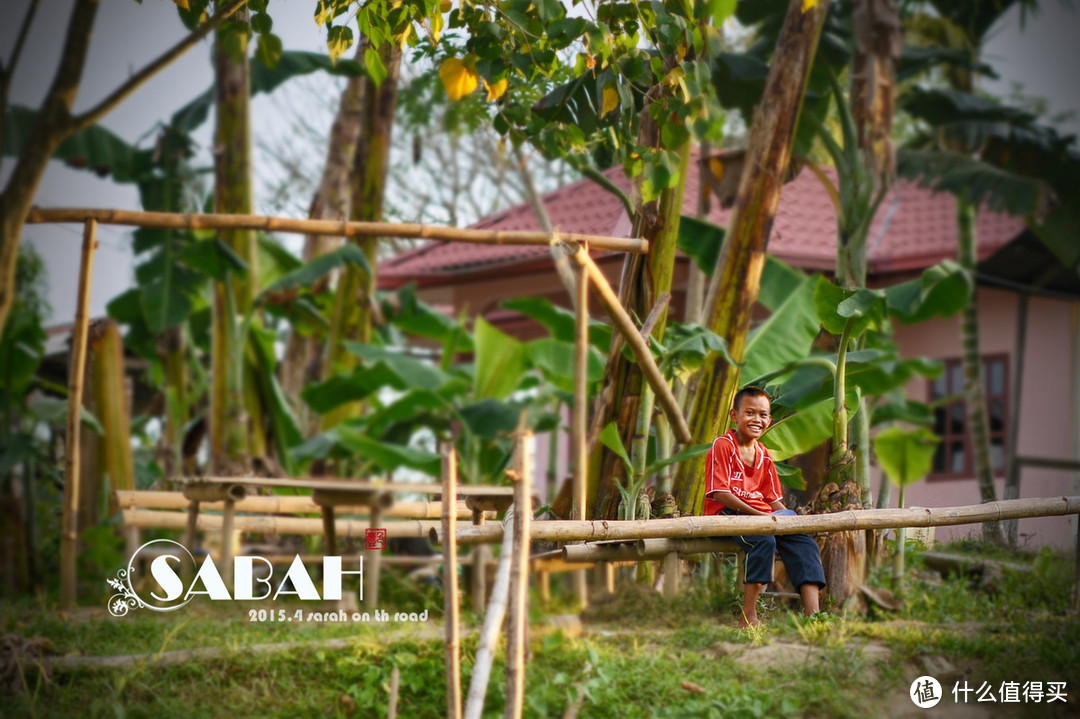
913	229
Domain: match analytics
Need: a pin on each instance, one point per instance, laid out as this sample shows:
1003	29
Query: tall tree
55	121
355	295
304	354
735	283
235	430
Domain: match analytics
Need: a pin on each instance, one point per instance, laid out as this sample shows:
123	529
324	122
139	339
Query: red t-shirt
758	486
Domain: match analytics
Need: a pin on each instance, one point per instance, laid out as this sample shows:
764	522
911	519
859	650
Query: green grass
636	656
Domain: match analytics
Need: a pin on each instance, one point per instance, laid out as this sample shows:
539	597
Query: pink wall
1045	412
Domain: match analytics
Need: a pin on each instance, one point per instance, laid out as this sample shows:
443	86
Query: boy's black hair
750	391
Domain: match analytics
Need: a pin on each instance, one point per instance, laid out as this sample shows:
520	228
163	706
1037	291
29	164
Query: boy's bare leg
751	590
810	598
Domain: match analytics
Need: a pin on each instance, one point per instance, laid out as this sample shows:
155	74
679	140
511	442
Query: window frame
968	470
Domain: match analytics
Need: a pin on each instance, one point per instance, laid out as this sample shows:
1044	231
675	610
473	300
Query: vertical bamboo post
519	581
329	531
479	567
1012	477
672	568
227	541
373	561
450	581
395	680
581	416
493	619
69	539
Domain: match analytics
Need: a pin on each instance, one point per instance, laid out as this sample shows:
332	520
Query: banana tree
906	456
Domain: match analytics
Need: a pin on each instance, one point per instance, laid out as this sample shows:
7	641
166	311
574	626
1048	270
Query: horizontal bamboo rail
464	490
727	526
150	519
184	221
644	549
279	504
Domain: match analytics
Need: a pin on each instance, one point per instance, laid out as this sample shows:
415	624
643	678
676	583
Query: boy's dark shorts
799	552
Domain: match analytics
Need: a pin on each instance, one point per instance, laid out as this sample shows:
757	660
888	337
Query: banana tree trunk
110	400
974	397
644	279
303	355
355	297
233	422
734	288
172	350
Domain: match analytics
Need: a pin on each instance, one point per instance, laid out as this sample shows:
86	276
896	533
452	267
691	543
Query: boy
740	478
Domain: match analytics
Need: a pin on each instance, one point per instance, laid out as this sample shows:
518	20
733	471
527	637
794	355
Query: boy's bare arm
730	501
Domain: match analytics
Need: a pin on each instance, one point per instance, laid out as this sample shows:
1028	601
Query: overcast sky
1042	58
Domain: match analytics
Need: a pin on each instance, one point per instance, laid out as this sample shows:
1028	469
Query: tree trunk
232	423
644	279
54	123
974	397
110	400
303	355
735	283
355	297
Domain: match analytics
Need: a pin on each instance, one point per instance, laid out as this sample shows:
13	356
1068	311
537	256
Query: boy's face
752	417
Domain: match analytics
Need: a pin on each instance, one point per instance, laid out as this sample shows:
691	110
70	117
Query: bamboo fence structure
726	526
281	504
210	221
69	537
450	586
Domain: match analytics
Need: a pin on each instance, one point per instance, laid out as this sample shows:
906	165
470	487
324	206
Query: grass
639	656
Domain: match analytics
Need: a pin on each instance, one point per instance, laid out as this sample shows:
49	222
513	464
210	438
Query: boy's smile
752	418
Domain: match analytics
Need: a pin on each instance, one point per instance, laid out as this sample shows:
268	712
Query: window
954	458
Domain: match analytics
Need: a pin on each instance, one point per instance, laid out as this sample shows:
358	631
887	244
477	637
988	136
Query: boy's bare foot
747	622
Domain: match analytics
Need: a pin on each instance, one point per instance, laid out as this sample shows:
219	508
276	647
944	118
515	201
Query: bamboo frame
69	537
581	418
210	221
493	619
726	526
452	647
151	519
622	322
280	504
519	582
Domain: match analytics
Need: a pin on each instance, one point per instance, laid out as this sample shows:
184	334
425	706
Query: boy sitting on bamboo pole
741	479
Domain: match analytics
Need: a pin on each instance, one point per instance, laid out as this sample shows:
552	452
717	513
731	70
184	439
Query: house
914	229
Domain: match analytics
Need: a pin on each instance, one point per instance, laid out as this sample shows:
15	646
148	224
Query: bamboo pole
395	680
581	418
638	345
465	490
210	221
69	539
373	561
726	526
493	619
151	519
450	586
647	549
519	582
280	504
